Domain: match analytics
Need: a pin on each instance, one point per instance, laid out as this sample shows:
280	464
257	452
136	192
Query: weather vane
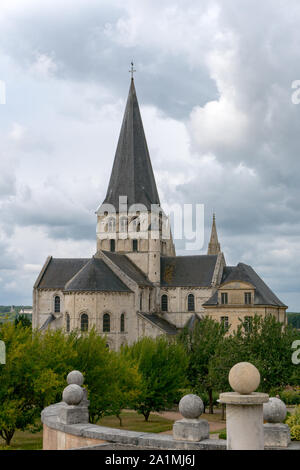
132	70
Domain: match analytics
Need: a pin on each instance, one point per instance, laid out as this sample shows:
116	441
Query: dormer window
224	298
248	298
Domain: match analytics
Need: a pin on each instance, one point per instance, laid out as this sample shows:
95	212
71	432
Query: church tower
214	247
130	219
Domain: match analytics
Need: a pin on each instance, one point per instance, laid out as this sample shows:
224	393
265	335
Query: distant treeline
294	319
17	308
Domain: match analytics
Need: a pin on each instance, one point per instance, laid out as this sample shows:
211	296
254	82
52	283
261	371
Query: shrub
294	423
290	397
223	435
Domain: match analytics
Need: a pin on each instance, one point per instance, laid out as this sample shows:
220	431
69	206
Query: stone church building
135	285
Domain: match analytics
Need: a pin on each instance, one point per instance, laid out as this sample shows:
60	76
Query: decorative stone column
244	408
191	428
75	404
276	433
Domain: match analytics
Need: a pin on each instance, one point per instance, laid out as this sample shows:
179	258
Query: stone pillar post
244	409
75	407
191	428
276	433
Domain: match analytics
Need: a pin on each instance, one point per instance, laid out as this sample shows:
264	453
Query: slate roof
160	322
242	272
96	276
187	271
132	173
129	268
59	271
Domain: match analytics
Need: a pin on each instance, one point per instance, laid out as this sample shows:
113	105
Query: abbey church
135	285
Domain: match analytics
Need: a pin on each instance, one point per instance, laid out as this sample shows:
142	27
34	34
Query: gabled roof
242	272
96	276
59	271
132	173
129	268
160	322
187	271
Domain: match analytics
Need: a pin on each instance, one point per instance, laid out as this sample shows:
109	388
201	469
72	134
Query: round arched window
84	322
191	303
57	304
106	323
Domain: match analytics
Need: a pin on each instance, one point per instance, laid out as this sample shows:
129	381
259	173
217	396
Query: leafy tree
267	344
23	320
200	345
162	365
111	379
25	386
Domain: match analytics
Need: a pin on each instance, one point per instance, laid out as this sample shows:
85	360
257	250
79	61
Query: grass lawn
136	422
24	440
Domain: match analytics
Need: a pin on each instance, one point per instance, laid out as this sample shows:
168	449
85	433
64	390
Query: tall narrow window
123	224
112	225
141	301
112	245
225	322
134	245
164	303
224	298
106	323
84	322
248	324
122	323
247	298
57	304
191	303
67	323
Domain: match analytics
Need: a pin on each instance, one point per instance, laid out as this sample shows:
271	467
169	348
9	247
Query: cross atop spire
214	247
132	70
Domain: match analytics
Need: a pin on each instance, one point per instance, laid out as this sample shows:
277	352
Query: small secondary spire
214	247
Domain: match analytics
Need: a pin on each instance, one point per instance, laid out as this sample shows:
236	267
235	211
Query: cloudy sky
214	84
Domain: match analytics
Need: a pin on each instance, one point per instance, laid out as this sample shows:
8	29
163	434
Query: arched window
84	322
122	323
112	225
191	303
106	323
56	304
123	224
67	322
107	346
164	303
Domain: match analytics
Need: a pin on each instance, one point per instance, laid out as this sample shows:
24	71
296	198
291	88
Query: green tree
267	345
23	320
25	385
200	345
162	365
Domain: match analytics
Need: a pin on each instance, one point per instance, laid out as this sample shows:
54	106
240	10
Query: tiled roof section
129	268
96	276
187	271
245	273
60	271
132	173
160	322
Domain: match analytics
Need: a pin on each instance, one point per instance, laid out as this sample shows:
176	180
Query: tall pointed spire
132	173
214	247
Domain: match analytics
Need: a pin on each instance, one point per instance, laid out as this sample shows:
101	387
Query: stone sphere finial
191	406
73	394
75	377
244	378
274	410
